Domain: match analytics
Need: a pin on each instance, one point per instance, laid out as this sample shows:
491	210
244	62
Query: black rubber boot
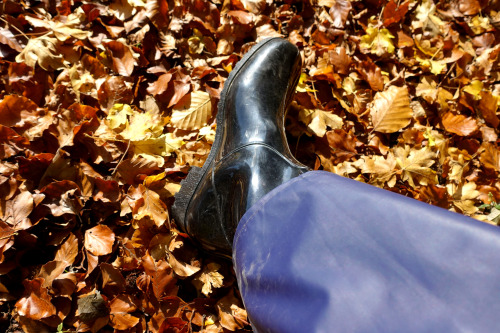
250	154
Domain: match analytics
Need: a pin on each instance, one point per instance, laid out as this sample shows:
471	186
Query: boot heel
183	197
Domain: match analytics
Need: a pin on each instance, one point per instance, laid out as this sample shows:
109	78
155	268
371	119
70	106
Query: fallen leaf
372	74
120	309
42	51
113	281
122	57
192	112
490	156
92	307
318	120
377	41
163	280
209	278
415	165
99	240
36	305
233	316
459	124
382	169
391	110
8	38
174	324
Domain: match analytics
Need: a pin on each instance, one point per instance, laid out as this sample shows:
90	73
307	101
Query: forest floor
105	106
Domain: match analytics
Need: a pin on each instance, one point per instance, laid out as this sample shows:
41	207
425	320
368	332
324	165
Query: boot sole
190	184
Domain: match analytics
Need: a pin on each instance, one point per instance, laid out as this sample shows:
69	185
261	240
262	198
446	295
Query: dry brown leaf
372	74
44	51
459	124
490	157
122	57
209	278
192	112
120	308
113	281
488	104
391	110
318	120
8	38
464	197
36	305
17	111
99	240
232	315
382	169
146	202
181	268
162	277
340	60
65	256
157	12
339	12
415	165
18	209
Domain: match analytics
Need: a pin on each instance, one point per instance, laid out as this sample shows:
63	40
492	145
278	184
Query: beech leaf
36	305
459	124
391	110
192	112
99	240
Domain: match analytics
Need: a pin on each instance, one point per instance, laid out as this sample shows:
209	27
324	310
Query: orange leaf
16	111
163	279
174	324
112	280
123	59
232	316
65	257
121	307
37	304
490	157
99	240
488	106
459	124
372	74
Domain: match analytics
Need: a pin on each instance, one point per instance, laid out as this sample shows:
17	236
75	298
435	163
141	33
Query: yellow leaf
118	115
143	126
415	165
377	41
437	67
391	110
209	278
383	170
480	24
192	112
318	120
302	85
474	88
464	197
161	146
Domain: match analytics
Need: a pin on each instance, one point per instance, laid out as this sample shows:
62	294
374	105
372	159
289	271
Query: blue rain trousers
323	253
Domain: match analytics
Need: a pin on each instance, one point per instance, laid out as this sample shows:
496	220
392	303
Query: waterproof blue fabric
322	253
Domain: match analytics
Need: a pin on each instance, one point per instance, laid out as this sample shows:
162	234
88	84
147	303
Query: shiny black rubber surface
250	155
